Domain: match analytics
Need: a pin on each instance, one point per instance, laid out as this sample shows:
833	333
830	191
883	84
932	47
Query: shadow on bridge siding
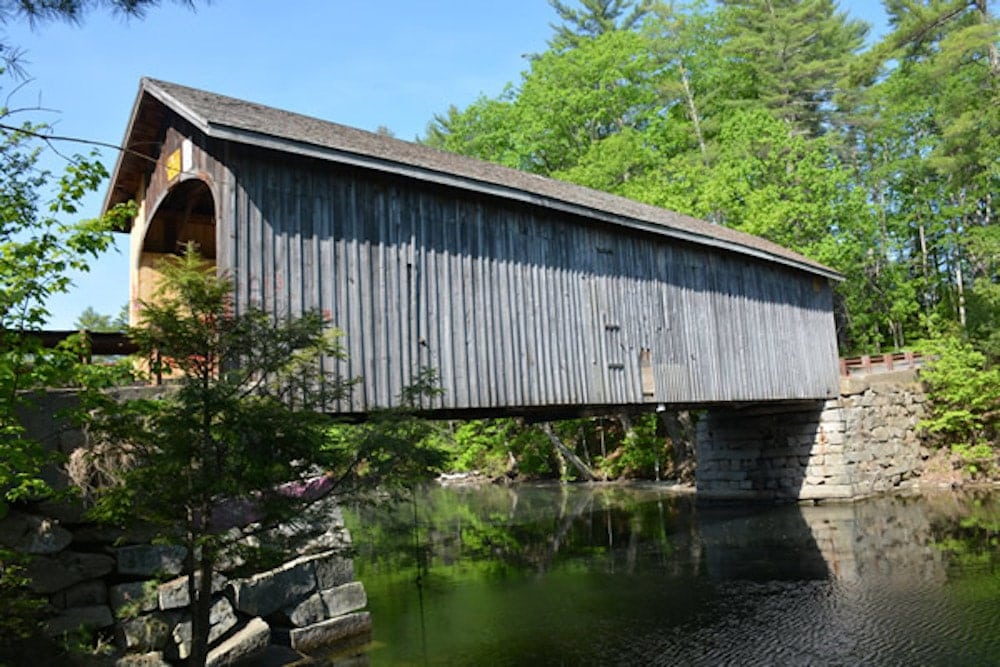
344	205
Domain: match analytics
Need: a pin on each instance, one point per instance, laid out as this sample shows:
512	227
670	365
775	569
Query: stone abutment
861	443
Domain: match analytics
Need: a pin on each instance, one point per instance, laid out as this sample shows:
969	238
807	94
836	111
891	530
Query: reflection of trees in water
496	529
527	527
537	569
966	527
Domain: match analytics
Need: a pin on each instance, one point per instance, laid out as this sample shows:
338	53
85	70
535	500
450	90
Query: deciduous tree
37	249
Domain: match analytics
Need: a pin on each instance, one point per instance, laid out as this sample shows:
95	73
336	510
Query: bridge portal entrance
186	214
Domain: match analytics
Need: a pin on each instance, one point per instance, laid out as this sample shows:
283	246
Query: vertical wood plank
510	302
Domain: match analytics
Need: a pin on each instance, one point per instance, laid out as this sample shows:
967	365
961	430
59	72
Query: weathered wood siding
514	305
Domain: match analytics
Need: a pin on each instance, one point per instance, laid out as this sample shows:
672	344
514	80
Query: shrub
964	394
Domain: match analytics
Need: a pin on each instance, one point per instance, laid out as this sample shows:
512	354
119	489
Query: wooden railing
99	343
882	363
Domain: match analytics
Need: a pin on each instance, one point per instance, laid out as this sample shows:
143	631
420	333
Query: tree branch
48	138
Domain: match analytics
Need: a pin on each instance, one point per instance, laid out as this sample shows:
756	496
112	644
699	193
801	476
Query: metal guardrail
882	363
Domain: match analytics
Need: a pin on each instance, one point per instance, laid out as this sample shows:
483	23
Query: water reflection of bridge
632	528
888	536
617	575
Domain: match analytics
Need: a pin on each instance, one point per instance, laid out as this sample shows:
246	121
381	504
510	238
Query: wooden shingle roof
231	119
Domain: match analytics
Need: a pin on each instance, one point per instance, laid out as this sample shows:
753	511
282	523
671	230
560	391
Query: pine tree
243	435
938	102
594	18
790	56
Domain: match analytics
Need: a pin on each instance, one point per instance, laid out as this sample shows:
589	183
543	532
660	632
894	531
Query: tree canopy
593	18
776	118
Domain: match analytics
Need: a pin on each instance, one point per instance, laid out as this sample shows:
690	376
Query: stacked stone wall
880	413
757	453
861	443
120	585
123	587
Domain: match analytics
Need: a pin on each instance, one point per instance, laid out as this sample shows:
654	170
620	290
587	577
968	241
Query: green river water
640	575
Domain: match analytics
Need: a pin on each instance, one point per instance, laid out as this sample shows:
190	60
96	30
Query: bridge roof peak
230	119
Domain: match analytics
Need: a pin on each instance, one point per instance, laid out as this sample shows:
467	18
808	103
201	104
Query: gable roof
231	119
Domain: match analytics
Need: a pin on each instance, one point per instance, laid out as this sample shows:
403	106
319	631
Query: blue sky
365	64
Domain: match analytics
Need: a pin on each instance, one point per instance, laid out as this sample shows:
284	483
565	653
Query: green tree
91	320
243	426
565	105
944	83
965	395
789	56
983	251
594	18
37	250
244	419
891	137
924	124
570	102
685	43
483	130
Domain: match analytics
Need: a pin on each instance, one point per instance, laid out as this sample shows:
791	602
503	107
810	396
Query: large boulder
342	599
309	611
146	633
70	620
253	637
267	592
326	633
84	594
151	659
144	560
327	604
332	569
31	534
174	594
53	573
133	597
221	620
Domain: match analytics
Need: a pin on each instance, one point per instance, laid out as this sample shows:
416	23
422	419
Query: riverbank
942	470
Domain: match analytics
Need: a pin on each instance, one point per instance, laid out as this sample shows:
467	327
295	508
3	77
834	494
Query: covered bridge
524	293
